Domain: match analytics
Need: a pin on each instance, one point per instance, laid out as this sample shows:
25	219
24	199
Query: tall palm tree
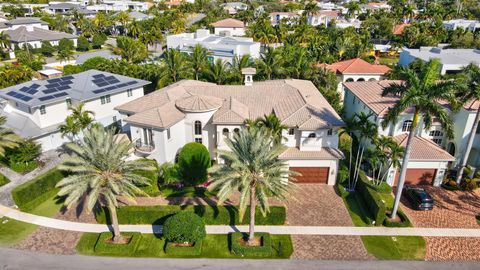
100	173
238	64
351	125
471	94
175	66
199	60
78	120
421	92
253	168
218	72
8	139
5	41
367	131
270	63
272	125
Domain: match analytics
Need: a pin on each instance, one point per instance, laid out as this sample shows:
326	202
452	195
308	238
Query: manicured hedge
405	222
211	215
184	226
375	205
38	190
261	251
173	250
3	180
102	247
193	163
382	188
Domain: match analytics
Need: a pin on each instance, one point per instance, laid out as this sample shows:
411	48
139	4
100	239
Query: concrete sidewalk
223	229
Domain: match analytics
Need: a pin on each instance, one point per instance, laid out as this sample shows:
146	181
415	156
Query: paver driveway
453	209
318	204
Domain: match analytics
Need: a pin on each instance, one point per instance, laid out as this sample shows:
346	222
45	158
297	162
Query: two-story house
35	109
162	122
432	153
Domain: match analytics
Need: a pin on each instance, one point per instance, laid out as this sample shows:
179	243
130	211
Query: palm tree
8	139
123	18
64	55
351	125
78	120
176	66
134	29
270	63
272	125
472	94
99	173
4	41
199	60
218	72
238	64
421	92
367	131
253	168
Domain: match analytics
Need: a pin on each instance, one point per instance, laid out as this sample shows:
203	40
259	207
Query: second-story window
291	131
168	134
105	99
69	102
329	132
43	110
312	135
407	126
198	128
129	93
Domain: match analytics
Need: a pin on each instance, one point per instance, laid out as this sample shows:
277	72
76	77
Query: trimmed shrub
169	173
82	44
405	222
23	158
184	227
342	174
173	249
152	189
211	215
3	180
102	247
374	202
38	190
384	187
265	250
193	163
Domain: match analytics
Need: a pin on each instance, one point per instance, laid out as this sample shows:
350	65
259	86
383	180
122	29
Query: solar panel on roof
52	85
102	84
112	81
46	98
121	85
98	91
11	93
131	82
110	88
49	91
65	83
61	94
25	98
34	86
54	80
66	78
32	92
24	89
64	87
98	76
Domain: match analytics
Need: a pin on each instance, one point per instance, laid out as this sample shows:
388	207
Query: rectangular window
114	119
43	110
291	131
198	140
478	129
329	132
129	93
69	102
168	134
105	99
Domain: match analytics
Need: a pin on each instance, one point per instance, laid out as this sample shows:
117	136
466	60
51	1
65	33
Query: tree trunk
403	172
117	237
350	164
471	138
251	227
358	168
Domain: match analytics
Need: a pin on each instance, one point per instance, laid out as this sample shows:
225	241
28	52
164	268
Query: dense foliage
184	227
193	163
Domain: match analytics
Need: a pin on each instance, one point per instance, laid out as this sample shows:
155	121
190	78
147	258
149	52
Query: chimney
248	75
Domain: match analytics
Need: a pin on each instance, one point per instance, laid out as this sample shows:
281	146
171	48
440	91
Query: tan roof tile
229	23
356	66
198	103
424	149
325	153
162	117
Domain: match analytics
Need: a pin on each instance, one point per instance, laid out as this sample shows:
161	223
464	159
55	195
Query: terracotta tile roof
327	13
325	153
398	29
289	14
297	103
356	66
198	103
424	149
472	105
229	23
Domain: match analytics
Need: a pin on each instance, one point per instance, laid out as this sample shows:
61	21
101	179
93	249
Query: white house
220	47
234	7
277	17
429	159
229	27
35	109
322	17
120	5
471	25
452	60
354	70
192	111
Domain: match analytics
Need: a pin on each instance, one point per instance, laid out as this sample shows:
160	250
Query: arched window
451	148
407	126
225	132
312	135
349	80
361	80
198	128
372	79
236	130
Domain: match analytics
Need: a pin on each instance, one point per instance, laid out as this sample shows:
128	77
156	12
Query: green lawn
387	61
214	246
384	247
186	192
12	231
3	180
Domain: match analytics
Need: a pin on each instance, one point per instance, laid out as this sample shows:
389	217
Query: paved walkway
49	159
19	260
222	229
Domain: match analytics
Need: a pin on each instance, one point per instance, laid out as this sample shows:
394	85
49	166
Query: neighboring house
162	122
69	8
452	60
429	160
399	28
220	47
373	6
28	8
322	17
33	31
471	25
342	23
35	109
229	27
354	70
107	54
234	7
115	5
277	17
139	16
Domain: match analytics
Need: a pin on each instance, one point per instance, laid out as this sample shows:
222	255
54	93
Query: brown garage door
311	174
418	176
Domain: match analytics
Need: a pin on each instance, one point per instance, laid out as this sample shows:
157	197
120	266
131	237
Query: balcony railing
144	148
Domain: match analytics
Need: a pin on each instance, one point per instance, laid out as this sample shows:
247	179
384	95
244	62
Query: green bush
103	247
38	190
193	163
261	251
184	227
169	173
23	168
82	44
24	156
3	180
384	187
98	40
342	174
152	189
173	249
374	202
404	221
211	215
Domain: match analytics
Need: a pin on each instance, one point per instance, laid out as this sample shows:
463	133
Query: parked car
418	198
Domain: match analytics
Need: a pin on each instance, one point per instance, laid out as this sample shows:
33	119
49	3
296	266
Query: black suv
418	198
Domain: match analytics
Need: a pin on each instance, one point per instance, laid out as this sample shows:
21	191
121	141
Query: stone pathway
453	209
49	160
